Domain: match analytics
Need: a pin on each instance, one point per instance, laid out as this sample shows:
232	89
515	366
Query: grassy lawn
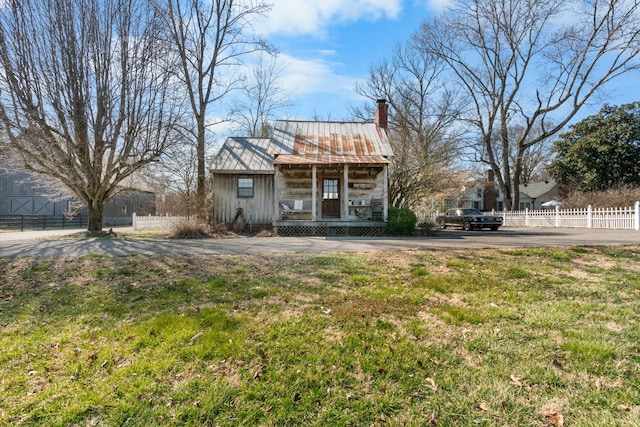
528	337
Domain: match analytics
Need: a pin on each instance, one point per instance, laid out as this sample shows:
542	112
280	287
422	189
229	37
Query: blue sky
326	46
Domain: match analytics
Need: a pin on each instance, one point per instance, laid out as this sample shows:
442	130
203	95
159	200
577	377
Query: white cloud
439	6
316	85
314	75
305	17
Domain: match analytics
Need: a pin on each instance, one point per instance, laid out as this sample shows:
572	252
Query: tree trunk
201	195
94	212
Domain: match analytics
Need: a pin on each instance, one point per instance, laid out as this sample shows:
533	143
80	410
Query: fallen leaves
482	406
555	418
432	384
516	381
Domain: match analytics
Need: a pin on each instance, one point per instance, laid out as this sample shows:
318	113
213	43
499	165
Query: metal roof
310	139
304	142
248	155
292	159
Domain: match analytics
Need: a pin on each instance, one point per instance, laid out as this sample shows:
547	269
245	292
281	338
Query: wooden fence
149	222
31	222
608	218
611	218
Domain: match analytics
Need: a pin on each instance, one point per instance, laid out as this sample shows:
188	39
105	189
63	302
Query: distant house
534	194
20	195
308	178
485	195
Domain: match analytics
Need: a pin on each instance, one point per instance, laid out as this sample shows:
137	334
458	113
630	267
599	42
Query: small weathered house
308	178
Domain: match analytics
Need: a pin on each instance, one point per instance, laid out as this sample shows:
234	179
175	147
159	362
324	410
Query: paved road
43	244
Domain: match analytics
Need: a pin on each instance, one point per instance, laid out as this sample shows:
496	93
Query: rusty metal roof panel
244	155
304	138
328	159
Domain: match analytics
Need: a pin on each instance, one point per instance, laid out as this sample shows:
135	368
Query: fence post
589	216
637	217
557	216
526	217
134	218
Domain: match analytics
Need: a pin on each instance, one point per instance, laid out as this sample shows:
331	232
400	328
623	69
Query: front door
330	198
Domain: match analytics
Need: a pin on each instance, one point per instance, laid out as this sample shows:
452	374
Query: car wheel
443	225
494	228
467	226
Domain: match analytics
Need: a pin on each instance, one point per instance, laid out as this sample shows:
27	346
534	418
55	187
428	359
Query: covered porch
340	194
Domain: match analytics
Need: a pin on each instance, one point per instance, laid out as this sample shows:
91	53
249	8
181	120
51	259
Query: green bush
402	222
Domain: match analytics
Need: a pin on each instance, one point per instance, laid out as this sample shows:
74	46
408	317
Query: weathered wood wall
18	196
257	209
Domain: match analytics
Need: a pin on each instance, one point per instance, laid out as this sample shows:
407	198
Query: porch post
276	192
314	193
344	203
385	194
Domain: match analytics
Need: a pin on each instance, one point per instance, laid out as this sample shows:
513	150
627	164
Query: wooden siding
257	209
363	184
128	202
18	196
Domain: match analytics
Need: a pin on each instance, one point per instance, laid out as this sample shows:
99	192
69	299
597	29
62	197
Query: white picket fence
612	218
609	218
149	222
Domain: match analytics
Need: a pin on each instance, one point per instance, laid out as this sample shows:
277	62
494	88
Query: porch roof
324	159
306	138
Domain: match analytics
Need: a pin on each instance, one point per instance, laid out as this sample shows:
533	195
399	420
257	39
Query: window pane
330	189
245	187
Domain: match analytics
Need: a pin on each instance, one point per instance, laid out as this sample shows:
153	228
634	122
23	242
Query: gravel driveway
49	243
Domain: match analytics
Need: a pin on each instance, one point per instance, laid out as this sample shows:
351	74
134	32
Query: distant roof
251	155
537	189
311	139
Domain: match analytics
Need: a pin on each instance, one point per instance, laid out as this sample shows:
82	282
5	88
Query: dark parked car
468	219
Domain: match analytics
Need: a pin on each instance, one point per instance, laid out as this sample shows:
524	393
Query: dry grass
524	337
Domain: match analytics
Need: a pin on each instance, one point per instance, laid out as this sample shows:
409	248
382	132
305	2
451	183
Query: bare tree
210	37
422	117
534	159
531	62
261	97
174	180
83	97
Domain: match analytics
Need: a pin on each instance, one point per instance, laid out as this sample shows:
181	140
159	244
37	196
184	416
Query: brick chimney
381	115
489	175
490	193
